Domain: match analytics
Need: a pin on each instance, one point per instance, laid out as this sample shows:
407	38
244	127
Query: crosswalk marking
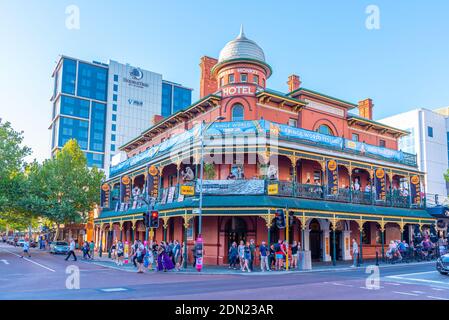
438	298
113	289
406	293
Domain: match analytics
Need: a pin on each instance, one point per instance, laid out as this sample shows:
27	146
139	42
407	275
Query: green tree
12	155
63	189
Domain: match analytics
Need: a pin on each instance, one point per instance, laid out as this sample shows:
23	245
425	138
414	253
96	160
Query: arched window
237	112
325	130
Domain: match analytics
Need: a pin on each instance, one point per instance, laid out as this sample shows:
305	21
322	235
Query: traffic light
154	219
280	218
291	218
146	219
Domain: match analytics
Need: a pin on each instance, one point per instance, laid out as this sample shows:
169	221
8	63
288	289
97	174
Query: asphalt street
47	276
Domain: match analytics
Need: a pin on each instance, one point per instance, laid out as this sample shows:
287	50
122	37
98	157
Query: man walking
26	248
252	249
92	250
355	252
264	257
71	251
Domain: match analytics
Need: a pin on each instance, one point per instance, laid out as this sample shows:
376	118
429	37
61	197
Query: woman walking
247	257
295	249
120	252
164	262
233	254
241	251
140	254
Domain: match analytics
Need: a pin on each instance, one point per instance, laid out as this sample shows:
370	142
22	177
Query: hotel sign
135	75
237	90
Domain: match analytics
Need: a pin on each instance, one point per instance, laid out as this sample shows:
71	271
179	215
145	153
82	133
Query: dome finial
242	33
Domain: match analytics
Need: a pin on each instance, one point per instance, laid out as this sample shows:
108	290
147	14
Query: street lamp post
200	207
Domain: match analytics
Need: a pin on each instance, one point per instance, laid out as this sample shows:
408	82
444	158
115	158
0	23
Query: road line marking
406	293
437	289
392	283
419	280
418	292
411	274
5	261
114	289
438	298
36	263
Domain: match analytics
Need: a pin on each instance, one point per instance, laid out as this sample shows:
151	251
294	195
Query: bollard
377	258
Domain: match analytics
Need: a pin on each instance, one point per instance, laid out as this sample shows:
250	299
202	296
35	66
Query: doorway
235	230
315	240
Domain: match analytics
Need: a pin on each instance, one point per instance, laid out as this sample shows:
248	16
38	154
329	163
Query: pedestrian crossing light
154	219
280	218
291	218
146	219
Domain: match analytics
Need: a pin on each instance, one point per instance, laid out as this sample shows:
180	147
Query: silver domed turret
241	48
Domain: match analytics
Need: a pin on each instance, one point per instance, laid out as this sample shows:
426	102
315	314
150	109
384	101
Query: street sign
187	190
273	189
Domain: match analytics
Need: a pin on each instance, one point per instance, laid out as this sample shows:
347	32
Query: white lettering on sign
236	90
323	107
239	70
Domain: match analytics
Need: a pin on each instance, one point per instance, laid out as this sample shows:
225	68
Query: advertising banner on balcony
152	181
313	137
332	176
415	186
364	148
125	189
380	184
232	187
105	192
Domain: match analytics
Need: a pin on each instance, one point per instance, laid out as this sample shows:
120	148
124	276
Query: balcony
289	189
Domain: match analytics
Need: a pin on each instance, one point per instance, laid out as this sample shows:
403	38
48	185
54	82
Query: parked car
10	240
59	247
20	242
443	264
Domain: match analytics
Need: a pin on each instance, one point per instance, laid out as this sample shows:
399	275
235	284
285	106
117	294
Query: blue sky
401	66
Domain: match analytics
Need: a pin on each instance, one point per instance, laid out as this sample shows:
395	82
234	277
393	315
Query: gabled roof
178	117
321	96
353	119
278	97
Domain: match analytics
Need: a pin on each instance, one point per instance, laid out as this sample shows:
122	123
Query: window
114	127
114	97
114	117
68	76
97	126
166	99
113	137
92	81
73	129
116	77
324	129
182	98
243	77
231	78
94	160
382	143
430	132
114	107
293	122
256	79
237	112
115	87
75	107
355	137
221	82
263	83
112	147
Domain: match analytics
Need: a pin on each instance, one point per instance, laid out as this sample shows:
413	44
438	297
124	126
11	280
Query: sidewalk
224	270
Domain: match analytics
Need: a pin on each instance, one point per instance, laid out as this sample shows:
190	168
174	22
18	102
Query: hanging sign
153	181
332	176
105	193
415	189
125	189
187	190
380	182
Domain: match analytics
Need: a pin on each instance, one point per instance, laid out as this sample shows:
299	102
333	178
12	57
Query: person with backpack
120	253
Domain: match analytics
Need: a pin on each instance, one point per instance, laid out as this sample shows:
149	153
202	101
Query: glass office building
104	105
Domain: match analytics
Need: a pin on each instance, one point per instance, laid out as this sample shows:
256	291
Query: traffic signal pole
286	237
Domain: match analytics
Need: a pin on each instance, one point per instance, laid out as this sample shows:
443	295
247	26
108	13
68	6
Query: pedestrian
85	250
120	253
355	252
264	257
164	263
233	254
247	257
134	251
114	250
150	255
71	250
279	255
241	251
26	248
177	254
252	249
295	249
272	257
92	250
140	254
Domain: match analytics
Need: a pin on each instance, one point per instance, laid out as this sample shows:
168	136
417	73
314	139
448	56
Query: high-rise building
105	105
428	139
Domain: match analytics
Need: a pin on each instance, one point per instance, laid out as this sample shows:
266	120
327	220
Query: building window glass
324	129
68	76
231	78
114	97
73	129
75	107
237	112
114	127
182	98
166	99
114	107
256	79
293	122
430	132
221	82
115	87
243	77
382	143
112	147
97	126
355	137
114	117
113	137
116	77
94	159
92	81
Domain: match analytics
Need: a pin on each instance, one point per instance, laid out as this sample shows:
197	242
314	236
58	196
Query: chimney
157	118
293	82
366	109
208	84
